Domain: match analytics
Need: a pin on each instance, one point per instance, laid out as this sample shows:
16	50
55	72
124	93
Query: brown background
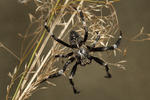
133	84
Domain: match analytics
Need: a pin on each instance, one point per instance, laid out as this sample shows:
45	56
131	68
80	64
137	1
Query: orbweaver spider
81	52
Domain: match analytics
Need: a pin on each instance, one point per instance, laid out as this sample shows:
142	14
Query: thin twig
9	51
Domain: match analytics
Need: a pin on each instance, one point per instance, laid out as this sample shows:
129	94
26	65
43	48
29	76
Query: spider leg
97	39
64	56
52	76
73	71
60	72
55	38
108	47
85	27
67	63
101	62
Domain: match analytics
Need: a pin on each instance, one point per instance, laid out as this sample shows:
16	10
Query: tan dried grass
40	66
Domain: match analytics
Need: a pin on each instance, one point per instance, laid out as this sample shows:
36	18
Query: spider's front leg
55	38
73	71
108	47
85	27
101	62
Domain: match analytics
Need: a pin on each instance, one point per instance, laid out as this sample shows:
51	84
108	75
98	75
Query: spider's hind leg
60	72
101	62
73	71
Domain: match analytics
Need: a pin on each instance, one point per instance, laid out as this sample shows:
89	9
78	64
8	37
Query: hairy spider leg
101	62
108	47
60	72
64	56
72	73
67	63
55	38
85	27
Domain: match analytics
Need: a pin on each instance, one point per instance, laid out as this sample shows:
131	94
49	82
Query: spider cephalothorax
82	55
81	52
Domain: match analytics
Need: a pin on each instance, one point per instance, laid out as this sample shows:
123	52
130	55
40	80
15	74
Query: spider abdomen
82	55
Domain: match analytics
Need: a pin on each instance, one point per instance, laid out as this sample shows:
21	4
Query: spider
80	53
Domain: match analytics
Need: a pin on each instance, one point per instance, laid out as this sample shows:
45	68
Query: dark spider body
81	53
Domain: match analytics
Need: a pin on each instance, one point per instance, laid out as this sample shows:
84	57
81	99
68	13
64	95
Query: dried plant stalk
60	13
141	35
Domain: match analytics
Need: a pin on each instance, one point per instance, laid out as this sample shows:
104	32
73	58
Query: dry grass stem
101	19
9	51
141	36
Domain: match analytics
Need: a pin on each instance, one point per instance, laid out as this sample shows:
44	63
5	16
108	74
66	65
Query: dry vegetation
100	17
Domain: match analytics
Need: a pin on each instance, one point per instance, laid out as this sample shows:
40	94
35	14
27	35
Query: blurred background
132	84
